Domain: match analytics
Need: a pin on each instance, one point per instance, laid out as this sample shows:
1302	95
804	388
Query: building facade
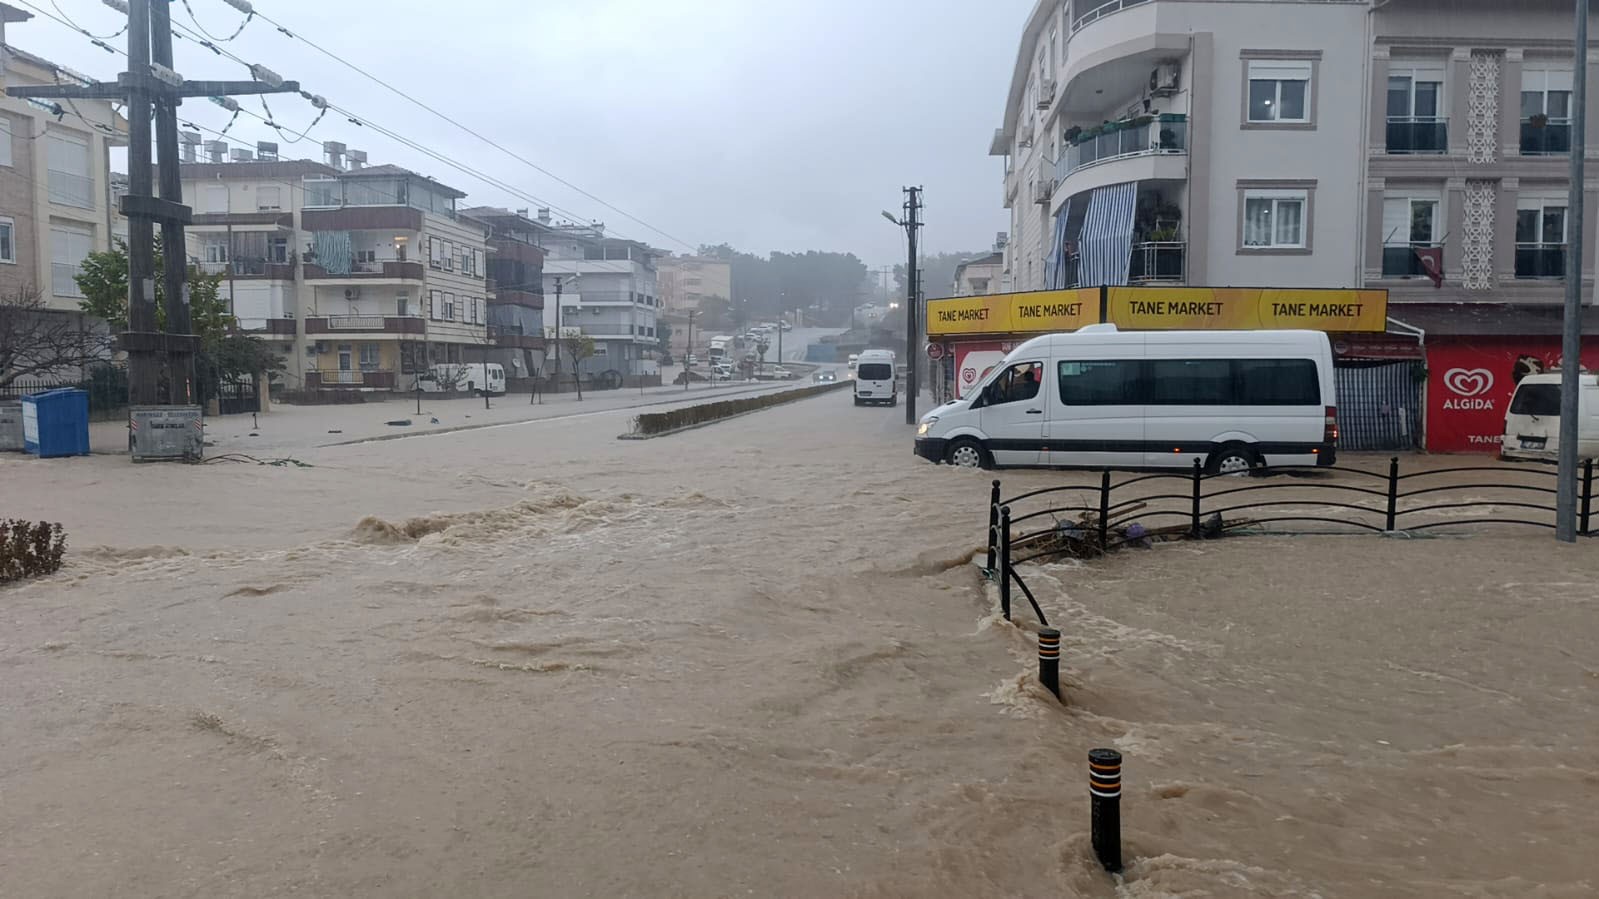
362	276
55	179
516	270
686	281
980	276
608	289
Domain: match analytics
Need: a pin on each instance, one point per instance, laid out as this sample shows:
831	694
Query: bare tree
36	341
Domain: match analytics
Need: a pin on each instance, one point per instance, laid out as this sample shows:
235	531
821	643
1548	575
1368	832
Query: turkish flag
1432	262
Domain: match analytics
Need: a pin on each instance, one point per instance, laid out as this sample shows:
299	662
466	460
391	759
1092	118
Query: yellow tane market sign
1161	309
1041	311
1245	309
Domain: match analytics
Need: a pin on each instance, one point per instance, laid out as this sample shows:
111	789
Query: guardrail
1373	502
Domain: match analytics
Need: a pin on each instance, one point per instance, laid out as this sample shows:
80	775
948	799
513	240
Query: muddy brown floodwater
753	660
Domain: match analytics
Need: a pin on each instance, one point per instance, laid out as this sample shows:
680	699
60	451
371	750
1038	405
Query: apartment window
402	306
448	255
1275	219
5	141
1409	223
278	249
434	305
322	192
1279	91
449	307
367	257
268	199
8	242
369	357
1541	237
68	162
1545	112
1415	104
477	263
434	249
69	244
214	249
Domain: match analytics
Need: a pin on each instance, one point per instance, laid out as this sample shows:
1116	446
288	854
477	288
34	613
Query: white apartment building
364	275
55	189
1196	142
1305	143
608	289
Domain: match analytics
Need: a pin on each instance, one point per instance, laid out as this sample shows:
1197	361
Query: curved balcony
1149	148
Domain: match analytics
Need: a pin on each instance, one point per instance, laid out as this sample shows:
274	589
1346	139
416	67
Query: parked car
1532	426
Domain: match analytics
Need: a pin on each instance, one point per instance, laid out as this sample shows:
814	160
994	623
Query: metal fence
1028	527
107	386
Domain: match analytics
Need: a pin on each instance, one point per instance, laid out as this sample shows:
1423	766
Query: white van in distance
472	378
1099	397
874	378
1532	426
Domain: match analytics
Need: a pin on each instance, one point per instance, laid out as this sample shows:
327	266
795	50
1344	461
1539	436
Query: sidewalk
289	428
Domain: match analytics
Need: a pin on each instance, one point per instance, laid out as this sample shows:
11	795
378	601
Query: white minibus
1100	397
874	378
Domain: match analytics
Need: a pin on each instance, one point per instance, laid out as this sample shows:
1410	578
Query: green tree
103	278
663	338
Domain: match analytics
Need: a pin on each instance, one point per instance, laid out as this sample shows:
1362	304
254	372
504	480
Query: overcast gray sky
767	125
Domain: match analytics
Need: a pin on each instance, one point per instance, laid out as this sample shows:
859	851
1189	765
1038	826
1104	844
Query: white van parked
874	378
1099	397
472	377
1532	426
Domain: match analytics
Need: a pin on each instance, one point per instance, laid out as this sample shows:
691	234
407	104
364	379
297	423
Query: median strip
662	424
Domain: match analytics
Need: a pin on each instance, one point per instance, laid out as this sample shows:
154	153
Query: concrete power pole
913	279
1571	336
151	84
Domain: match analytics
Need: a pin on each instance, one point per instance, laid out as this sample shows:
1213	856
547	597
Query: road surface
753	659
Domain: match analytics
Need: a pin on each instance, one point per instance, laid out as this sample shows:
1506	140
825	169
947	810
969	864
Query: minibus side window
1016	384
1113	382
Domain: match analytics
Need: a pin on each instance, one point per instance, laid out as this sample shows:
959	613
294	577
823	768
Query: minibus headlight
927	425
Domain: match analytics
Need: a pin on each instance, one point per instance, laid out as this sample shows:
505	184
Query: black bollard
1049	659
1105	792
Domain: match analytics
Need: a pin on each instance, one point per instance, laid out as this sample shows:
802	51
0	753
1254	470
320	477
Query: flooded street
752	659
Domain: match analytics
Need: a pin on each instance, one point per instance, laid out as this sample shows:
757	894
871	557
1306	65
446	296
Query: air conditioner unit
1046	94
352	293
1026	141
1043	189
1163	79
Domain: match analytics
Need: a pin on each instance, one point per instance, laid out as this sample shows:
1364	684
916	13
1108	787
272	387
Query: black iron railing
1028	527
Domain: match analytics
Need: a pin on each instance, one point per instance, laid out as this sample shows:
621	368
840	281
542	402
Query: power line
75	26
491	142
236	32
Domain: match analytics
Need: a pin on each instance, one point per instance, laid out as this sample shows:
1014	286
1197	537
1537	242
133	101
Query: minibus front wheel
967	452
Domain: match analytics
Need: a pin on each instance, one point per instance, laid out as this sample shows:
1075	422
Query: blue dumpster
56	423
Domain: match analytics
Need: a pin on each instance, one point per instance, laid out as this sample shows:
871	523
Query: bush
656	423
30	550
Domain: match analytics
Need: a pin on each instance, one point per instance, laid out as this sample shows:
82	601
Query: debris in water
397	423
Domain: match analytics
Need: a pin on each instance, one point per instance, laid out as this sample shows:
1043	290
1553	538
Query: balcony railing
355	322
1418	135
1553	138
250	267
1401	261
1540	260
1100	11
1166	135
1157	261
382	379
387	324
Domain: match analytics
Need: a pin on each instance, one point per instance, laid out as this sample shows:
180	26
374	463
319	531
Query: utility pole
1571	334
913	280
688	349
151	85
557	333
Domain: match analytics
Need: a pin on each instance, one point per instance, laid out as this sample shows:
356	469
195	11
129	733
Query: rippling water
754	660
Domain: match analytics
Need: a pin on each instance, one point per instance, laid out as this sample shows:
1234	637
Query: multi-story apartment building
685	281
1305	143
1191	142
55	190
516	273
608	288
364	275
980	276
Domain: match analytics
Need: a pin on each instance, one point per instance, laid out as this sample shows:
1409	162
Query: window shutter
477	263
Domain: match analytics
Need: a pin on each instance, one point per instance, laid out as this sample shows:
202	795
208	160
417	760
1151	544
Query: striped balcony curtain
1107	239
334	251
1055	271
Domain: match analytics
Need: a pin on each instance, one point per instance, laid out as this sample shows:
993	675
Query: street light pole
911	223
688	349
1571	335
